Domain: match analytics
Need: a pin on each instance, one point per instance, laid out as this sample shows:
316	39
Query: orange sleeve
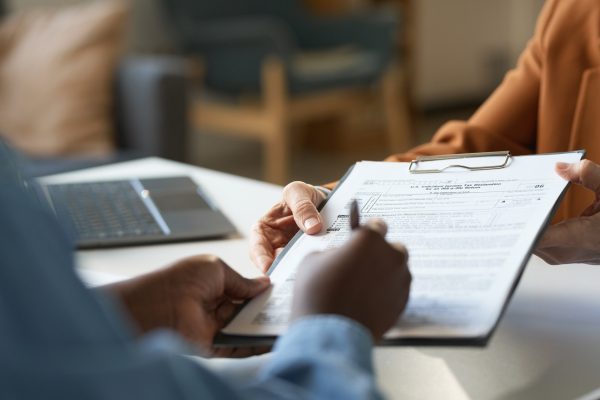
507	120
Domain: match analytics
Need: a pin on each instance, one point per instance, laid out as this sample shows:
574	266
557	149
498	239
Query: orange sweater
549	103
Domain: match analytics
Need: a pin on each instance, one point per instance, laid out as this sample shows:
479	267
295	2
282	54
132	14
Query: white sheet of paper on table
469	233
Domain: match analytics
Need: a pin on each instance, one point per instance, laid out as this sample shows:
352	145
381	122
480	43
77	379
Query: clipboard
229	340
413	167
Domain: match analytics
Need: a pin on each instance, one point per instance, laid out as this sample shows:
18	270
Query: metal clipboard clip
414	164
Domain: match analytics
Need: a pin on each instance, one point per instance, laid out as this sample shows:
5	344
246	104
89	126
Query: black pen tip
354	216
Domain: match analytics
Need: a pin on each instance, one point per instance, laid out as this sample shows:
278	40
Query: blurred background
277	90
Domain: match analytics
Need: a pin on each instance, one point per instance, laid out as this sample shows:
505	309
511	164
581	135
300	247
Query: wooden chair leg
396	109
277	157
276	140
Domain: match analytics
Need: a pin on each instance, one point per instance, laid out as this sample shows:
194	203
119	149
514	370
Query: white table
546	347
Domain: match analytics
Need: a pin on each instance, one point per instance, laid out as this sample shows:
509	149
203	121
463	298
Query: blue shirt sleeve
322	357
58	340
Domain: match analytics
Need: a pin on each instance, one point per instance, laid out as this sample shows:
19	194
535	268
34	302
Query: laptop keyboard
104	210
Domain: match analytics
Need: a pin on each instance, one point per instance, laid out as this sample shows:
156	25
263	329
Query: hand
195	296
297	209
576	240
366	280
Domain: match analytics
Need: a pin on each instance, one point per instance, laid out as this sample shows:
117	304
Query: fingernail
561	166
311	222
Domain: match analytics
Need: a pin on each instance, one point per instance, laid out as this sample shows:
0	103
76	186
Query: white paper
468	234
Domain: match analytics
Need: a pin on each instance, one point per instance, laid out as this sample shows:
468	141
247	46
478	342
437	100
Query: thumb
303	199
585	173
239	288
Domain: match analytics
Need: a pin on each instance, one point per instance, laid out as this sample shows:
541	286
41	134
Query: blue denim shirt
59	340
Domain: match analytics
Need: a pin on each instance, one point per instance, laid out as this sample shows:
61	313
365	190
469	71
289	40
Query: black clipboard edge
226	340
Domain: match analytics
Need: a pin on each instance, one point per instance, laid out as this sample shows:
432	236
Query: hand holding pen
375	224
367	279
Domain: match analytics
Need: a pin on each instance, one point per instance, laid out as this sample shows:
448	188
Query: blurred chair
151	110
268	64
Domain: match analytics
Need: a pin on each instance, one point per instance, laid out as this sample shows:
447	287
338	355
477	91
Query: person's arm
320	357
339	309
60	340
324	356
508	120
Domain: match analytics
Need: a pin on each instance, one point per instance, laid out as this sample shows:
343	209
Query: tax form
469	235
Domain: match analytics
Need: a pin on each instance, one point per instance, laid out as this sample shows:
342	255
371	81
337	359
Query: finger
561	235
261	250
303	199
401	249
569	172
238	287
584	172
377	225
552	237
548	256
590	175
263	262
592	209
225	312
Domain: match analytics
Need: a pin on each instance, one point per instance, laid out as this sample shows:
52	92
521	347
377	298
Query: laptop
136	211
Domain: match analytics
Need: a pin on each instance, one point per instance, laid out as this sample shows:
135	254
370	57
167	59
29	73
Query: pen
354	215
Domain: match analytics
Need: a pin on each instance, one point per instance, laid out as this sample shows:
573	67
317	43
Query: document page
469	235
